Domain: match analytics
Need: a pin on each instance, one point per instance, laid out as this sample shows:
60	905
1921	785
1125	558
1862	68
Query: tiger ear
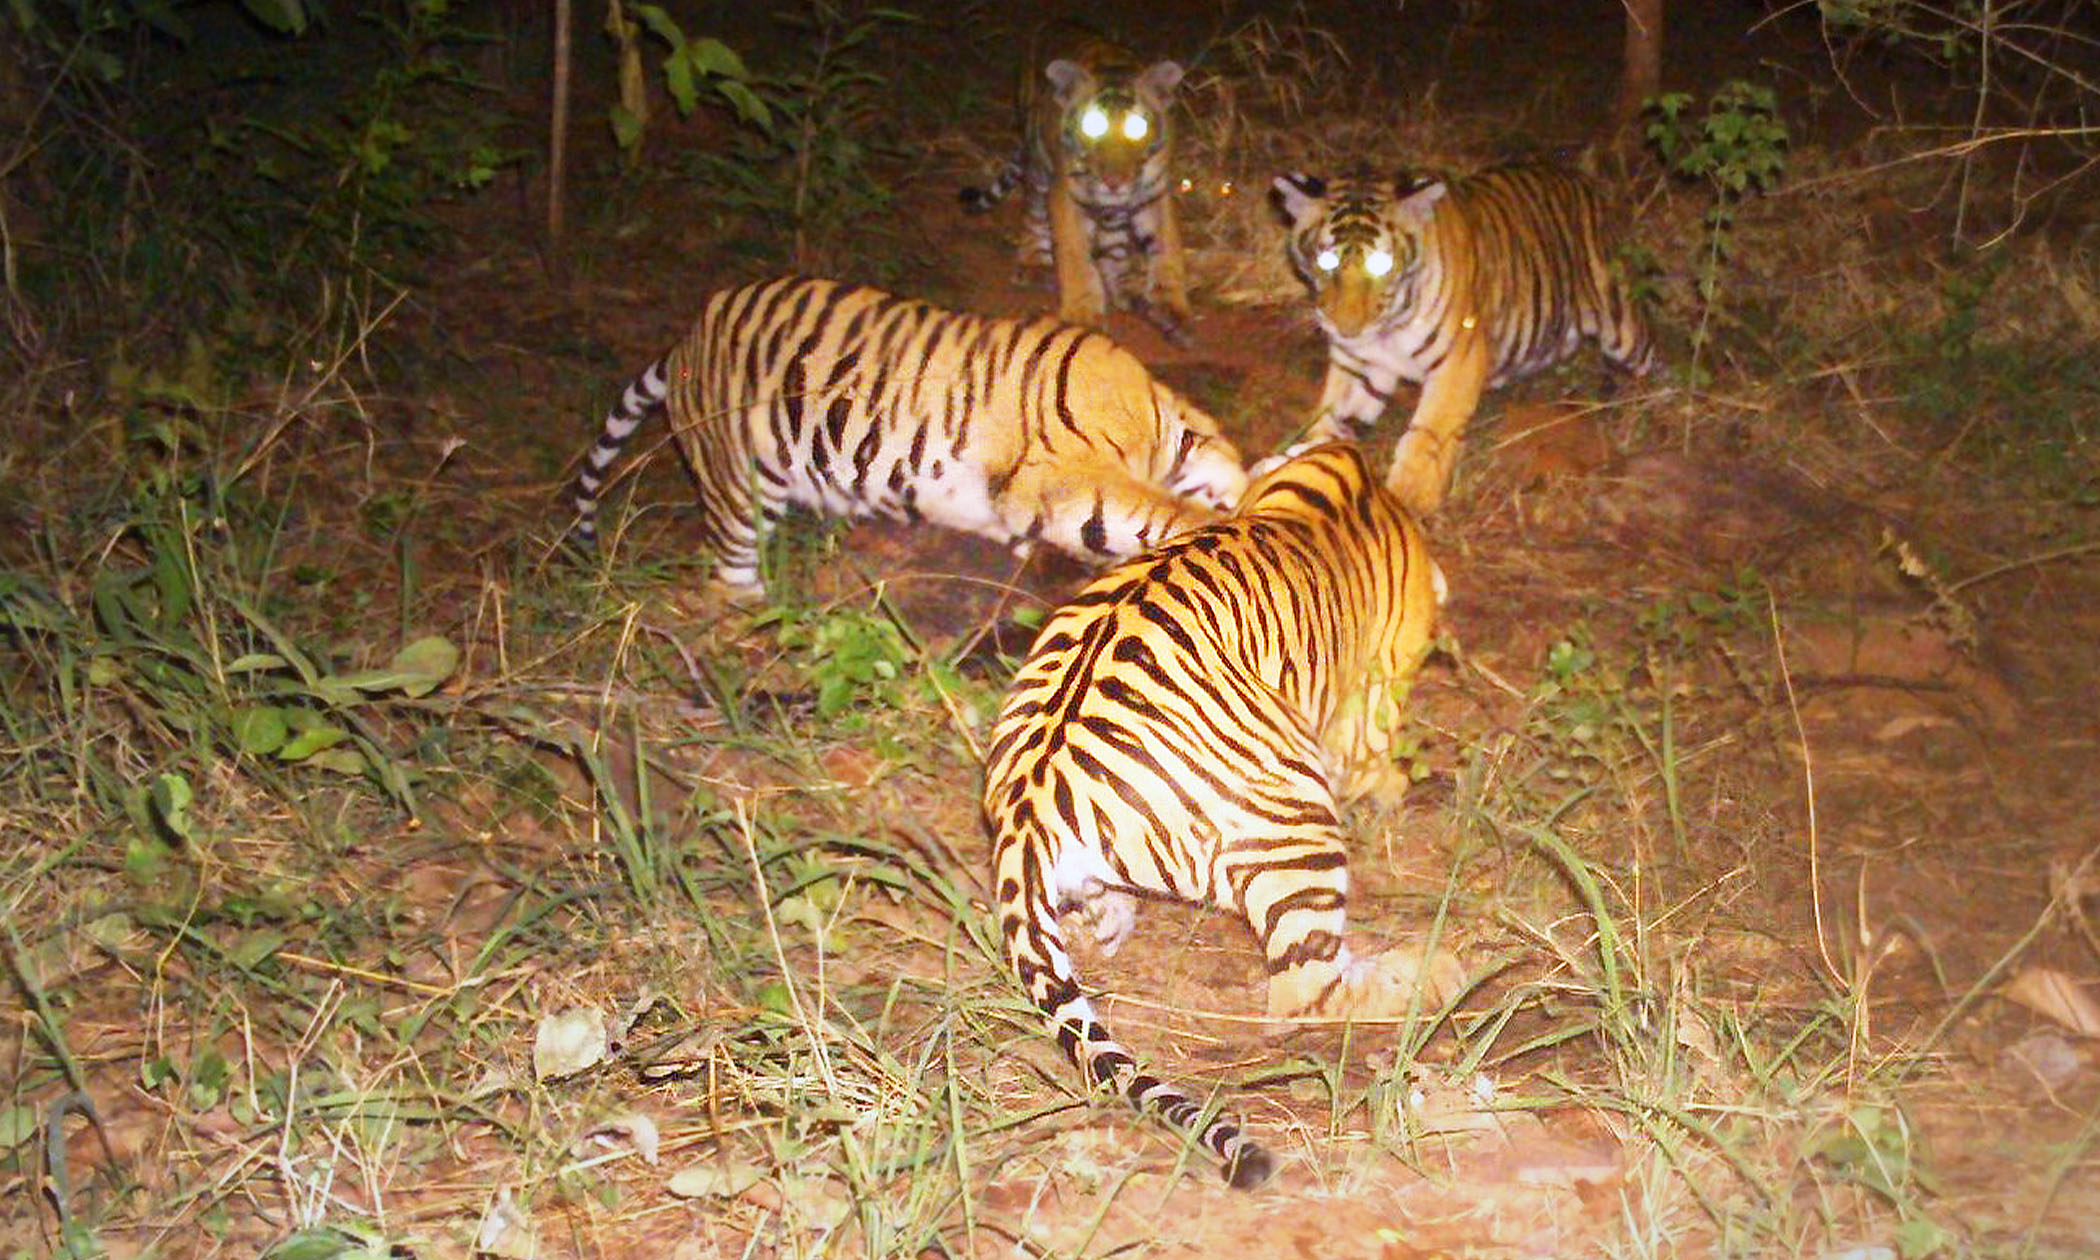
1160	79
1418	204
1297	196
1068	77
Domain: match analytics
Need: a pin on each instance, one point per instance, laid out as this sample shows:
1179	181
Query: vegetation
377	883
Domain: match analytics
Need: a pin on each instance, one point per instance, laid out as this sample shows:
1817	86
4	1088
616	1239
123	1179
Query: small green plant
691	68
807	159
1738	148
853	656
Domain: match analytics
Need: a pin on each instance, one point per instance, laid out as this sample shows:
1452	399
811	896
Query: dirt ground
1877	803
1881	800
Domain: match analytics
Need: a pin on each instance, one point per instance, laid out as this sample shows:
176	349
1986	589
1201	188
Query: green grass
328	789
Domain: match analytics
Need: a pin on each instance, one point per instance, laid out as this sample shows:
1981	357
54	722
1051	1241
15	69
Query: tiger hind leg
1297	902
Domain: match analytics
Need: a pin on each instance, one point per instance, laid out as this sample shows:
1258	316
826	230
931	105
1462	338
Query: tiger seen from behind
1190	726
1096	158
1458	285
854	402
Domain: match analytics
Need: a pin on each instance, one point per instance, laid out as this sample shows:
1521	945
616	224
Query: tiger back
853	402
1190	726
1459	285
1096	158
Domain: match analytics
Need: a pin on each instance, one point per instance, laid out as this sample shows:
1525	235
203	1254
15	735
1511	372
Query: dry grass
1738	911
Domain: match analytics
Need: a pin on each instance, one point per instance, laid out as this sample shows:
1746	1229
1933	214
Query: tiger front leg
1428	451
1081	297
1166	273
1354	396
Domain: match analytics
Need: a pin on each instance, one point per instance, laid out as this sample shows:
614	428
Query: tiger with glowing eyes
1459	285
1096	156
1190	726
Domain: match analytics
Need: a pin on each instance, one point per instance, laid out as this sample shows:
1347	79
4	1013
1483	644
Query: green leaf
678	80
171	803
415	670
255	947
255	662
164	19
748	107
312	740
155	1073
340	760
17	1125
713	57
773	996
286	17
1920	1237
432	660
662	25
626	126
331	1242
258	731
208	1077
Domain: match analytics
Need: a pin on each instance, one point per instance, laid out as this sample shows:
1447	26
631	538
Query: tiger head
1355	242
1112	125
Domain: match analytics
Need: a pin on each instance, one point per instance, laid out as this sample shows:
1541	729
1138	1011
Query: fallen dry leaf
2057	996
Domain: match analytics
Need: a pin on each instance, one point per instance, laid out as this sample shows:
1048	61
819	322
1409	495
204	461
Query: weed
690	66
1738	148
808	158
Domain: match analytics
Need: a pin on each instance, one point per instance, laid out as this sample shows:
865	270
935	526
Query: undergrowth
379	885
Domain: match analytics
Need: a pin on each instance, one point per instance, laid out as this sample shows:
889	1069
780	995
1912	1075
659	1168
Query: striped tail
644	394
1035	944
980	200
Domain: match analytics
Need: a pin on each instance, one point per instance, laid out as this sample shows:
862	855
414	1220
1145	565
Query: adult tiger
1096	156
1458	285
1190	726
852	401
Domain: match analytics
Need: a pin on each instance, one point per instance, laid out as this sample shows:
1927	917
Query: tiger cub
854	402
1458	285
1190	726
1096	154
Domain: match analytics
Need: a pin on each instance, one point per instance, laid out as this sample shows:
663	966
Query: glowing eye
1188	185
1327	260
1225	188
1378	262
1135	126
1093	124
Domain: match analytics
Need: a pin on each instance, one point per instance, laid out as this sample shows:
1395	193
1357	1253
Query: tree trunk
1641	75
558	131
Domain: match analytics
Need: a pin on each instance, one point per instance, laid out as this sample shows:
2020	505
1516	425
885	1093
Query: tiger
1096	156
1458	285
854	402
1190	726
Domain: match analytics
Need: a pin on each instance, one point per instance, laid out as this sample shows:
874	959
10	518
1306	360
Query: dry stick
1997	570
558	124
1808	778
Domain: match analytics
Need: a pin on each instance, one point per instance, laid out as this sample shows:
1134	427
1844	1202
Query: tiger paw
1280	458
1110	914
1387	985
1421	471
